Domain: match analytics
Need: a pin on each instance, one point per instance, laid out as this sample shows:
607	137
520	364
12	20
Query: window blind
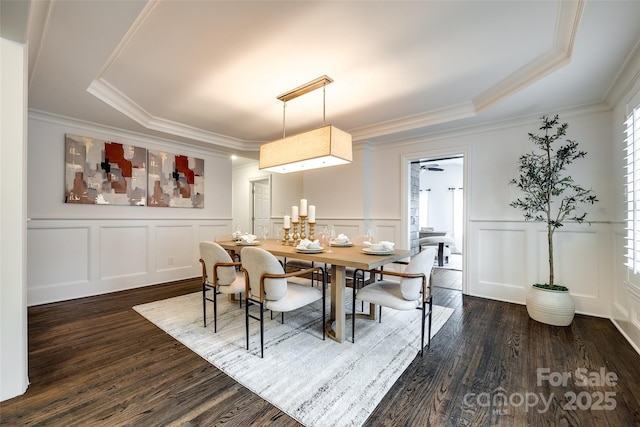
632	183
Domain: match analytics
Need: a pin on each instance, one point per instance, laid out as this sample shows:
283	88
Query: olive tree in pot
551	196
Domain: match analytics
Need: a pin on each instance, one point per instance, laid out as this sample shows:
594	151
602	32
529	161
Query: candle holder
312	236
303	231
295	237
285	239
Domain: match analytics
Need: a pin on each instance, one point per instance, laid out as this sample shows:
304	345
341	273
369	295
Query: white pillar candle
312	213
287	221
294	214
303	207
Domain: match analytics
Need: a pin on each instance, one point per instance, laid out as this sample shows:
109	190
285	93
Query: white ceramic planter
555	308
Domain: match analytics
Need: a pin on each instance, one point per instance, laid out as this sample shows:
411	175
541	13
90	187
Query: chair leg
362	286
353	315
215	310
422	331
430	318
246	318
261	332
261	318
324	302
204	304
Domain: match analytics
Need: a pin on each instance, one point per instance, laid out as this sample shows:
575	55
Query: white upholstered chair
266	286
413	291
220	276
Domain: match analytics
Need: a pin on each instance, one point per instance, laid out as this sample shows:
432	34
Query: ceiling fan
433	167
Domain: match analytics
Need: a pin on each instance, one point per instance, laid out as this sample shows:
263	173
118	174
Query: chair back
420	264
257	261
212	253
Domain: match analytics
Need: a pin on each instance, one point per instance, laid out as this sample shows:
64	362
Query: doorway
440	200
261	205
436	203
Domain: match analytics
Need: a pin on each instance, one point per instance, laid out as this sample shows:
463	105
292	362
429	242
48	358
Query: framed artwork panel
175	180
104	173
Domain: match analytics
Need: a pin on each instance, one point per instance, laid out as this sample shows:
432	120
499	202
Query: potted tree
551	196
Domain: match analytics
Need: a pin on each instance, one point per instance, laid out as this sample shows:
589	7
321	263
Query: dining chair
267	286
414	290
219	275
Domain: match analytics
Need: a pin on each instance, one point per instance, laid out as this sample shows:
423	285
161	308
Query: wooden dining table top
349	256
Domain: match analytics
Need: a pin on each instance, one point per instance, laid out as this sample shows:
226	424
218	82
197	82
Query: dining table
339	258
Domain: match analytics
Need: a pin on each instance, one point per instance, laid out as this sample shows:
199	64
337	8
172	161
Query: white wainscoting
506	258
69	259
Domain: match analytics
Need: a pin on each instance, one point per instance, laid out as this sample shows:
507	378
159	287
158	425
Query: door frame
252	182
405	223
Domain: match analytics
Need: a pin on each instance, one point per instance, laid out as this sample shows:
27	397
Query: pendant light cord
301	91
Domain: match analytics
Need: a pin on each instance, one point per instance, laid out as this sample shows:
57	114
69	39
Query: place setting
245	239
307	246
341	241
378	248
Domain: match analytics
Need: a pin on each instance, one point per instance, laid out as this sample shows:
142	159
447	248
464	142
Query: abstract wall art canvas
175	180
104	173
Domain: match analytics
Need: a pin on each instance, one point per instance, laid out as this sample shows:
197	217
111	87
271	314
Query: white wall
81	250
13	218
504	254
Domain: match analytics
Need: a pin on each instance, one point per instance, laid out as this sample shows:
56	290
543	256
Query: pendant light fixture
317	148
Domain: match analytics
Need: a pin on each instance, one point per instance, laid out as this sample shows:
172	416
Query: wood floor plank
95	361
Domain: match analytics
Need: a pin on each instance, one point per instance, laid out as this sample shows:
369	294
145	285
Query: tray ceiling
209	72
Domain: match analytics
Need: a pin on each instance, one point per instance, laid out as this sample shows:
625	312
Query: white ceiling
209	72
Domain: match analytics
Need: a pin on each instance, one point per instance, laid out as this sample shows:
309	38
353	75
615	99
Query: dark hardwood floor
95	361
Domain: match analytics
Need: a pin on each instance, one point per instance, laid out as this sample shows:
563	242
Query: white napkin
248	238
341	238
304	243
386	246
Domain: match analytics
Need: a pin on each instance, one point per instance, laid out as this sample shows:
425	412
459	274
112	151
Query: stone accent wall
415	205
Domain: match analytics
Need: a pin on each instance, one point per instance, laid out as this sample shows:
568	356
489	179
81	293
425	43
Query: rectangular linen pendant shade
317	148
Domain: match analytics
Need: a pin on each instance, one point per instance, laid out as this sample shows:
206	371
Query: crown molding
429	118
474	129
567	24
114	132
104	91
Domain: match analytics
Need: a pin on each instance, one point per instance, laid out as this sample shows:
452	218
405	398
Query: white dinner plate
382	252
310	251
341	245
254	243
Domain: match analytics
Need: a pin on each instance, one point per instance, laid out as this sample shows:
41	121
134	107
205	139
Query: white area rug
319	383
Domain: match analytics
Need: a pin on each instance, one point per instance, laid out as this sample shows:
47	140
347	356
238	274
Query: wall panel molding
506	257
77	258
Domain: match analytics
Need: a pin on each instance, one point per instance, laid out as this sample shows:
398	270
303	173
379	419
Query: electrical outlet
170	260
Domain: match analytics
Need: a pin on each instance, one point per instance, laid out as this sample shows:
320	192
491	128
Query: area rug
318	383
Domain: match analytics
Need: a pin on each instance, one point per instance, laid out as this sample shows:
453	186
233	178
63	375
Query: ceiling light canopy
317	148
